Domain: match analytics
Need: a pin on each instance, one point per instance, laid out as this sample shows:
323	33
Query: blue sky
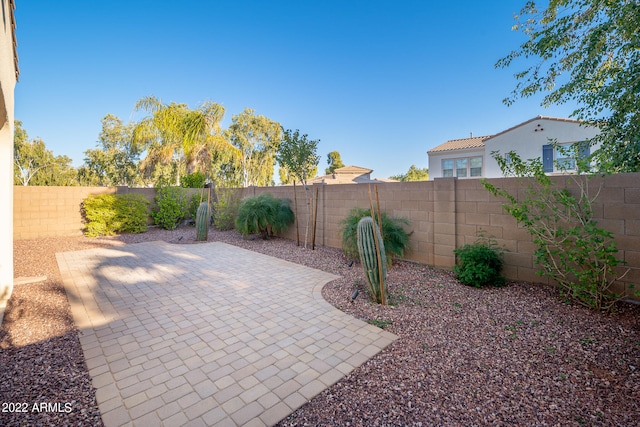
381	82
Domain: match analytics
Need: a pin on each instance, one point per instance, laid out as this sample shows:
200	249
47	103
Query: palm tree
176	135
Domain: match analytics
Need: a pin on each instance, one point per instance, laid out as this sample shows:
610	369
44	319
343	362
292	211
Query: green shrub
193	180
396	239
572	249
171	207
194	203
263	214
108	214
225	209
479	264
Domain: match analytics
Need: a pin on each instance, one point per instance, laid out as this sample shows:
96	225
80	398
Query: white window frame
456	162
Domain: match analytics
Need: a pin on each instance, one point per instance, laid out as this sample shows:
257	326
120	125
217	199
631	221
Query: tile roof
461	144
12	7
352	169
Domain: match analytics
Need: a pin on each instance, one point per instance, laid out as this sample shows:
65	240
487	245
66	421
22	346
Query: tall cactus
373	258
202	222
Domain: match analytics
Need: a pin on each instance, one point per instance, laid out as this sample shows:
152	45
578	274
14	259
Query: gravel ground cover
515	355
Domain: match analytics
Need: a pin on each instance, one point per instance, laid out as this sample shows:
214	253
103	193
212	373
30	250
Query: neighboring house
471	157
8	76
348	175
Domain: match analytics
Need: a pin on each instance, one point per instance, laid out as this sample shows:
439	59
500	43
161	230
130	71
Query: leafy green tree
115	160
177	136
587	51
287	178
34	164
256	139
413	174
298	155
59	173
334	161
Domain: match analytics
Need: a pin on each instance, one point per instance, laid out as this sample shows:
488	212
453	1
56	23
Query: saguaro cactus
202	222
373	258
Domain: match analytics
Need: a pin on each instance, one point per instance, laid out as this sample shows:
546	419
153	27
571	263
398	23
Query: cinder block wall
56	211
448	213
445	214
49	211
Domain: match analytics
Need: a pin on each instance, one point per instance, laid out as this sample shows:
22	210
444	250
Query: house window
562	157
475	166
462	168
447	168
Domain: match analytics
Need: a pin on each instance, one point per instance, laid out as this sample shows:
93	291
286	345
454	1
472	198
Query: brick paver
208	333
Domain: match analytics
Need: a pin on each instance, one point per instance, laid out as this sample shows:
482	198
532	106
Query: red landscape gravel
515	355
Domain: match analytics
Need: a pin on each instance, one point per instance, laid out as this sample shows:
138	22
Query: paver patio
207	334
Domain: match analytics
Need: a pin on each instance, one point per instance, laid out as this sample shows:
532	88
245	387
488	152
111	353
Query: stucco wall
7	85
435	160
527	140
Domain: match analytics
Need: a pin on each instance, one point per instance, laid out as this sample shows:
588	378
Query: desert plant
171	207
108	214
373	259
225	209
396	239
202	221
479	263
572	250
263	214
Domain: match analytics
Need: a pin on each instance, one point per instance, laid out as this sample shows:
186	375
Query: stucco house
348	175
8	77
471	157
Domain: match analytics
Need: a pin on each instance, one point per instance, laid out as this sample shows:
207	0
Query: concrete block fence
444	214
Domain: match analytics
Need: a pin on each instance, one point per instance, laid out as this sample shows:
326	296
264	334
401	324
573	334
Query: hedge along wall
56	211
448	213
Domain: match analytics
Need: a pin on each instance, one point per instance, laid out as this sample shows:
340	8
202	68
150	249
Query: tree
413	174
34	164
334	161
28	157
115	160
587	52
178	140
298	155
256	139
287	178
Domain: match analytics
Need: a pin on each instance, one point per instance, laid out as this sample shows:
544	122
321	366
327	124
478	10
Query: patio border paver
208	333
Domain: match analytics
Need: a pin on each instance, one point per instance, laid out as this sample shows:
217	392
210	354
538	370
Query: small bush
396	239
225	209
193	180
479	264
192	209
109	214
263	214
171	207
